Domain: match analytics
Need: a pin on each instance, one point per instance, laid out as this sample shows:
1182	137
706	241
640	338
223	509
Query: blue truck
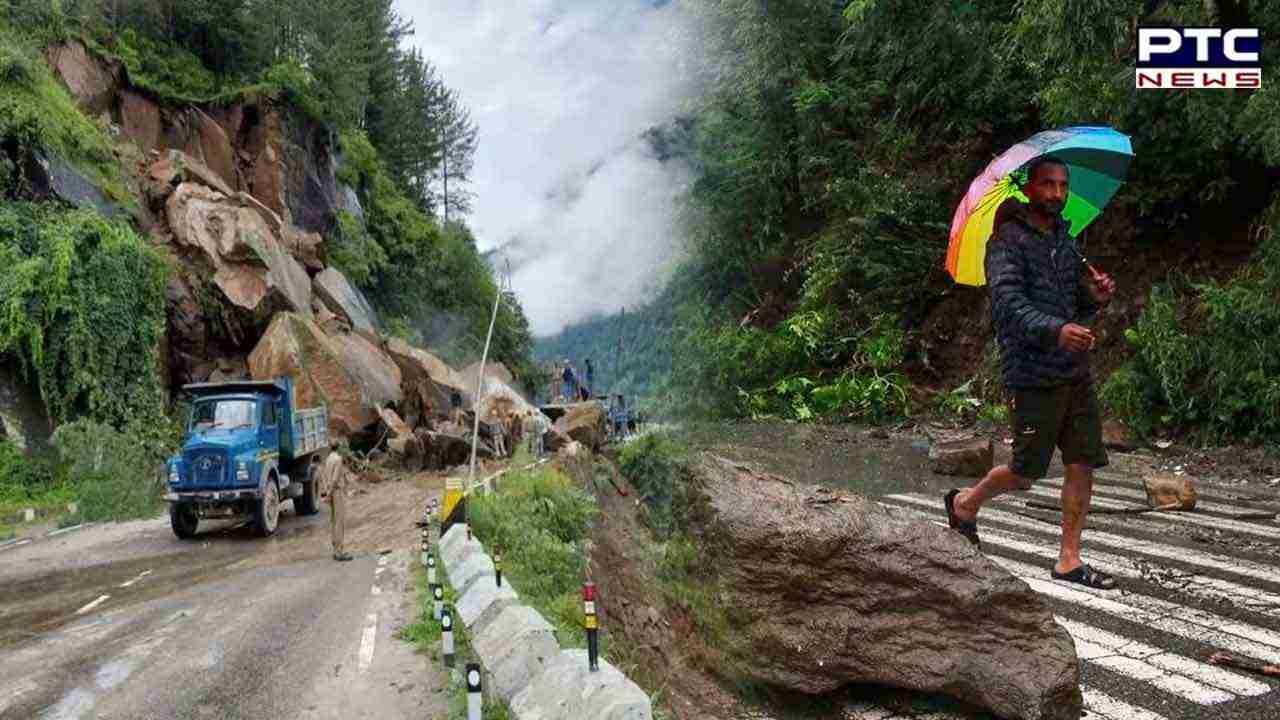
247	450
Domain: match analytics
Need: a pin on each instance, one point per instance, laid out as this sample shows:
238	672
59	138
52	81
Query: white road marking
1213	523
1198	682
379	571
1135	494
1110	708
93	605
382	561
1179	620
376	590
367	640
1159	551
73	528
1201	586
131	582
15	544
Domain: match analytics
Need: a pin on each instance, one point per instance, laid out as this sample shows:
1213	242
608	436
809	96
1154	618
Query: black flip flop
1087	576
967	528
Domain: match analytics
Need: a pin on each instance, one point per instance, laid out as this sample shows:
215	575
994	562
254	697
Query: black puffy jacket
1037	286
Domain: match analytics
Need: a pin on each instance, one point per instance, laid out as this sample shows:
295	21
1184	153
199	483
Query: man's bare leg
1077	490
998	481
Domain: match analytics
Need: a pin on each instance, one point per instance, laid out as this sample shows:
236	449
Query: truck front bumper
212	496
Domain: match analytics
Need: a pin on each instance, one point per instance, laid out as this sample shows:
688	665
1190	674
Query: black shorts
1066	417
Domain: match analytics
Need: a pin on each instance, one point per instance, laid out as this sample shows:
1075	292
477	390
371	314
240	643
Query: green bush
1207	357
82	307
540	520
655	465
119	474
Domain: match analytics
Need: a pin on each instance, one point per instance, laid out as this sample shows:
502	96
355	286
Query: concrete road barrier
566	689
515	648
476	567
478	599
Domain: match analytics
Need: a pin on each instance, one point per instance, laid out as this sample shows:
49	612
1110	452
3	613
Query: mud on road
43	584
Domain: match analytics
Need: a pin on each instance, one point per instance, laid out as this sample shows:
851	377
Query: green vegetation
830	150
82	310
1206	356
36	113
540	520
424	634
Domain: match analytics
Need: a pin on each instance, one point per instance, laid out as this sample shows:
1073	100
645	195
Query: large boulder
585	423
140	119
354	382
213	146
829	588
427	378
53	177
250	264
345	300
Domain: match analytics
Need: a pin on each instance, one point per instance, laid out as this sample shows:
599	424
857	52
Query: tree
457	136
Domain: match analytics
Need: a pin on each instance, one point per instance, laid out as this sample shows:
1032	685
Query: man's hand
1101	287
1075	338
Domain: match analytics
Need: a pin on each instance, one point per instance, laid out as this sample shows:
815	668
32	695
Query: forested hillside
833	147
174	174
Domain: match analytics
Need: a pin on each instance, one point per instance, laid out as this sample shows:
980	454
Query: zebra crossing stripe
1159	551
1201	586
1198	682
1107	488
1181	621
1109	708
1214	523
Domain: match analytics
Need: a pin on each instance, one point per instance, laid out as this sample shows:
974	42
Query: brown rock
140	120
378	374
1167	489
93	83
829	588
265	144
345	300
426	373
233	368
556	438
395	426
308	248
584	422
495	370
326	370
966	457
215	148
250	263
176	166
1117	436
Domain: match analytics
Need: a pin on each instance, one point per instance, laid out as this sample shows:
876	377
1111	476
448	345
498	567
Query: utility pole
503	286
617	358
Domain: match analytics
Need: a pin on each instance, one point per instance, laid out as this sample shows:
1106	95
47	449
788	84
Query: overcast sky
561	91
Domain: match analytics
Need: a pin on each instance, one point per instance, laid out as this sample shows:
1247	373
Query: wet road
126	621
1191	584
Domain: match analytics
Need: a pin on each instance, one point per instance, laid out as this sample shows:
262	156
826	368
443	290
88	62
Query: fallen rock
1117	436
828	588
556	439
51	176
428	375
175	167
250	265
395	426
140	119
326	370
572	450
586	423
1168	489
229	368
966	457
215	147
345	300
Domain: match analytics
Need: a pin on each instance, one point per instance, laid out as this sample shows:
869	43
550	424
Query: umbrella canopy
1098	158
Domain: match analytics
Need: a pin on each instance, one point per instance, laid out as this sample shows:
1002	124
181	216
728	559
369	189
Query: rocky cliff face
240	196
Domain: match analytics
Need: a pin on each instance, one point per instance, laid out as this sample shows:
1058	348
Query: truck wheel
183	520
266	514
309	502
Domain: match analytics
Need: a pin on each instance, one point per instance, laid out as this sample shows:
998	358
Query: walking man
570	389
335	478
1043	294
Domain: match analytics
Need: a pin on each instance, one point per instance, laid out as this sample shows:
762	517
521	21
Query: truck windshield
222	414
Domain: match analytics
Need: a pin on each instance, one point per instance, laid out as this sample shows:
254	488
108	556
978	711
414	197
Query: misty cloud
565	187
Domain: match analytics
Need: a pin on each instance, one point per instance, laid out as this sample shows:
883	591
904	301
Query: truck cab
246	450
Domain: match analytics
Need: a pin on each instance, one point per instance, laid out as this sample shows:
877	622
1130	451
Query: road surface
1192	583
126	621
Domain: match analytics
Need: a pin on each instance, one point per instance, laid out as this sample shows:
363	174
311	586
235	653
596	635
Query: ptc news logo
1198	57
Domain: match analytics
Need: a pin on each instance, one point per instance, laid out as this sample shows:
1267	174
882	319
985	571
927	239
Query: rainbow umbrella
1098	158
